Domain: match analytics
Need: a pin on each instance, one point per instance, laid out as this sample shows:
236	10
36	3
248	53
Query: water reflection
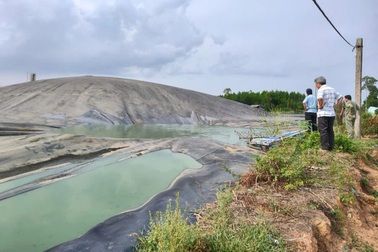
156	131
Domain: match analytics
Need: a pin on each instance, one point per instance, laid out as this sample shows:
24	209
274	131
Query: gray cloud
109	38
201	45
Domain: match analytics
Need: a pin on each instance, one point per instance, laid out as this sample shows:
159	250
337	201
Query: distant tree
227	91
372	98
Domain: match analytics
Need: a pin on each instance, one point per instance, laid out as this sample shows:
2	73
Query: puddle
61	211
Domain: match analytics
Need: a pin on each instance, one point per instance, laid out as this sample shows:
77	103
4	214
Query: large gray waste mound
105	100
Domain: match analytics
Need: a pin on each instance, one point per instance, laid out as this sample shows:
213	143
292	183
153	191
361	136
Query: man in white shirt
328	99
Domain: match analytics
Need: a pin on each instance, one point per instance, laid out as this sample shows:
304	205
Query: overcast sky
202	45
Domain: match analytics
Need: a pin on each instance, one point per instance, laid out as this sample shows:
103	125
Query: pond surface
61	211
156	131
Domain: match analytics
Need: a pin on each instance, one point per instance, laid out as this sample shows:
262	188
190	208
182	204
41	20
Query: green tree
372	98
227	91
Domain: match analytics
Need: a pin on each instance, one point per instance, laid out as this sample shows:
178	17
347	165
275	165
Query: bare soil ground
315	218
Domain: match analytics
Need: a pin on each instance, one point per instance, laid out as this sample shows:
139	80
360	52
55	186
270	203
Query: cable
317	5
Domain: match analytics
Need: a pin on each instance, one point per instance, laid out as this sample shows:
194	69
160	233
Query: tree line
292	102
269	100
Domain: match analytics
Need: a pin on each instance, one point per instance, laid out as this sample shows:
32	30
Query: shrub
170	232
344	143
369	124
225	235
290	162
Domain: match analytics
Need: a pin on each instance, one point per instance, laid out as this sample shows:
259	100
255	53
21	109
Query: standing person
309	105
328	99
339	116
350	109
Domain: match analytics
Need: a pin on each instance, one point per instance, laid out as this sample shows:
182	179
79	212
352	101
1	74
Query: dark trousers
311	118
327	136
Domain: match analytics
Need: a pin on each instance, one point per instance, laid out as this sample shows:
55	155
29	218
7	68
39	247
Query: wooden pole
357	125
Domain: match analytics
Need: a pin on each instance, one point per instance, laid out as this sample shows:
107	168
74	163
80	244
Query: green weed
228	170
289	163
337	219
225	235
369	124
356	245
368	188
338	176
345	144
170	232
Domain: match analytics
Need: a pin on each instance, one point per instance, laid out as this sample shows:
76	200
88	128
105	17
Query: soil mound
106	100
319	218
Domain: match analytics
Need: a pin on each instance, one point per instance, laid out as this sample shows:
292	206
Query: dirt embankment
318	218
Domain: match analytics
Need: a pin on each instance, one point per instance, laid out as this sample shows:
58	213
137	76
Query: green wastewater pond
65	209
229	135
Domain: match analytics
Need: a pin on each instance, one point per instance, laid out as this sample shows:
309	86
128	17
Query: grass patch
337	219
227	234
343	143
170	232
368	188
292	164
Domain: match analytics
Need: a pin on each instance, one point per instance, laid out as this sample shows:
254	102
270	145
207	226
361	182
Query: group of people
320	112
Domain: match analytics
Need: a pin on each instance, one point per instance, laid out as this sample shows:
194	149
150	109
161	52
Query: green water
31	177
50	215
156	131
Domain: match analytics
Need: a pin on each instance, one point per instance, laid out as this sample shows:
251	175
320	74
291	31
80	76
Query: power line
317	5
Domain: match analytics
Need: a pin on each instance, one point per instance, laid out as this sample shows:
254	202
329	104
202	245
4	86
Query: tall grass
291	163
170	232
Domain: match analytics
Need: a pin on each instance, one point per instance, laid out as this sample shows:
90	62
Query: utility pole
357	125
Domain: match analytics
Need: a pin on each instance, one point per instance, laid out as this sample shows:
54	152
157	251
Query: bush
369	124
290	162
225	235
344	143
170	232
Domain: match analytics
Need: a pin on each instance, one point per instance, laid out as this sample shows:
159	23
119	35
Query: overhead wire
320	9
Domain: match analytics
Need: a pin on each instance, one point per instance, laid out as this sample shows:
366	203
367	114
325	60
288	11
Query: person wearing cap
309	105
328	100
350	109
